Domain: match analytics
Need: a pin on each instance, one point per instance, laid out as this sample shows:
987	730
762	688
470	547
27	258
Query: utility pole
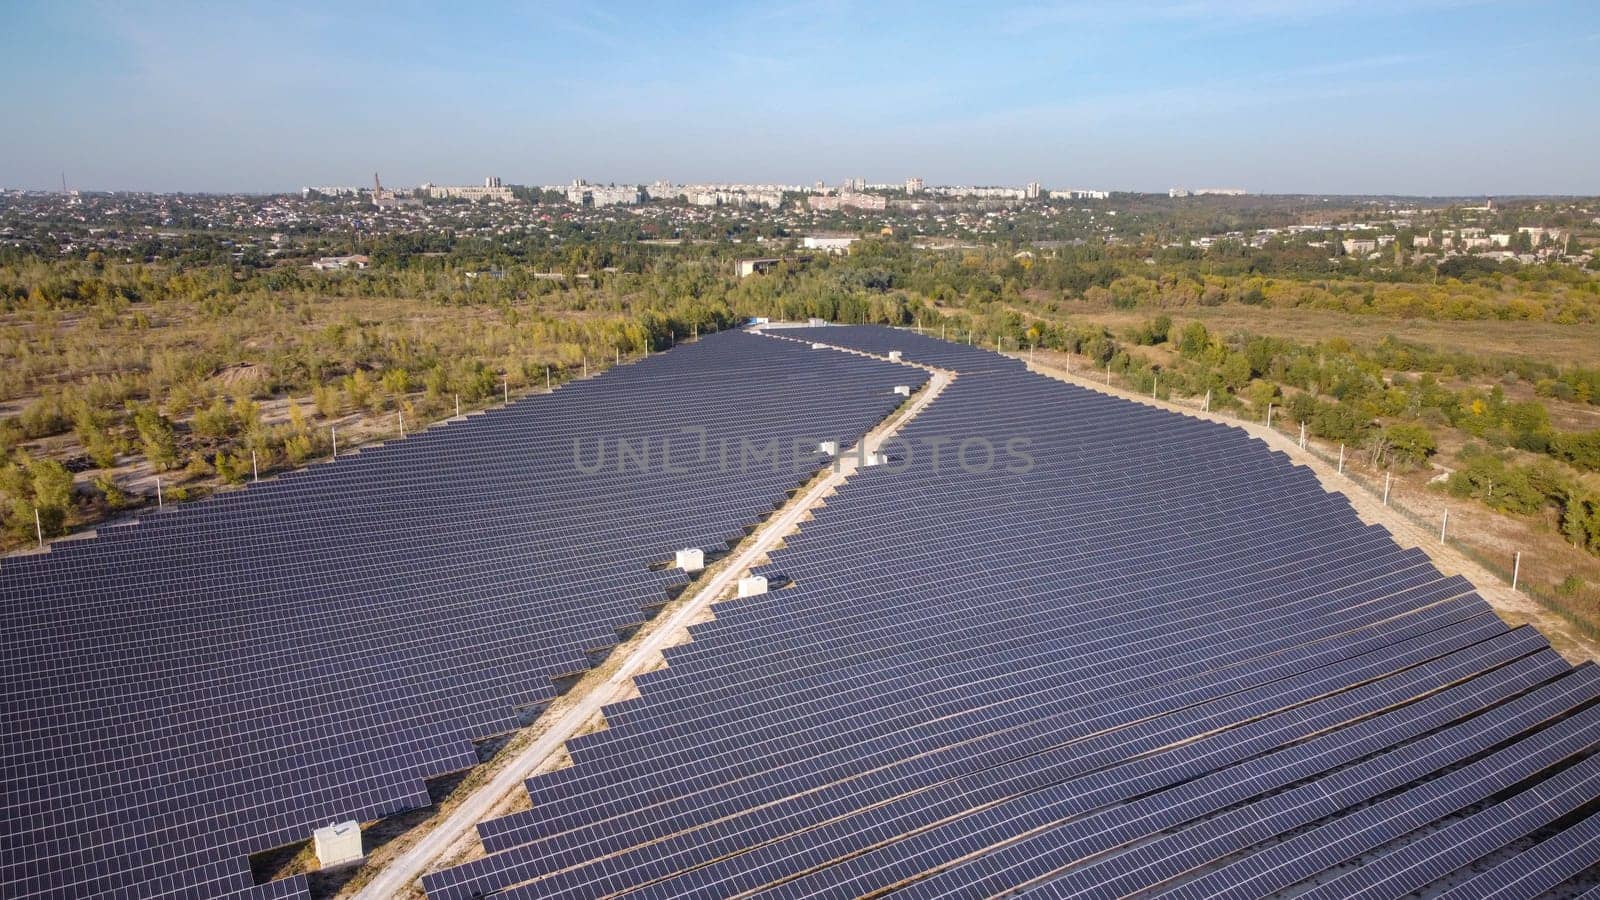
160	504
38	528
255	470
1516	569
1341	459
334	430
1387	479
1269	415
1302	435
1444	523
400	417
505	387
458	406
547	378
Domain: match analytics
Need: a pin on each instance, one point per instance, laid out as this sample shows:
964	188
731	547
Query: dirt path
1513	606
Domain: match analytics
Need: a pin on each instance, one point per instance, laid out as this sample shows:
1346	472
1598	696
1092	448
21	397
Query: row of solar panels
225	677
1161	658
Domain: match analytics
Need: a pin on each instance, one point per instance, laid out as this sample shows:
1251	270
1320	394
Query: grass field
1558	344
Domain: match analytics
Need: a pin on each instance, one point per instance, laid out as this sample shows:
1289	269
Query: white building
913	186
582	193
829	243
1540	235
625	195
332	263
330	191
491	189
1203	192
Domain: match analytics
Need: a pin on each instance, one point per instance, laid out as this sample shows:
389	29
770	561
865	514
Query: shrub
1581	448
1410	443
43	417
156	437
108	488
41	485
232	468
1580	521
297	449
1194	339
215	421
358	389
397	381
326	399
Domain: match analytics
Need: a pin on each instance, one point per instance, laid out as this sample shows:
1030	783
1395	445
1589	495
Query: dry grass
1547	341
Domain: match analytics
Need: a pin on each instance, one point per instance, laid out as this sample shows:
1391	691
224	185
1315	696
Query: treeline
1073	278
170	364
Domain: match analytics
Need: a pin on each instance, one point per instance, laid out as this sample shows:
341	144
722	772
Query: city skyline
1423	97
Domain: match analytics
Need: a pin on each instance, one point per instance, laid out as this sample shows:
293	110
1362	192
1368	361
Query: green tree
358	389
1260	393
1581	448
397	381
232	468
41	485
1410	442
297	448
44	417
1194	339
108	487
1580	521
215	421
157	438
326	399
1236	371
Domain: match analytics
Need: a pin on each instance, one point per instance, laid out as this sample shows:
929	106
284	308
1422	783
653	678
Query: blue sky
1398	96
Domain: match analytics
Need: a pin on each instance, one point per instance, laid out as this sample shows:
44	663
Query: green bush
1410	443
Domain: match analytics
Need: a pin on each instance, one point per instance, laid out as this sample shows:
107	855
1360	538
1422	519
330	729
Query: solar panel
1544	866
1146	656
229	675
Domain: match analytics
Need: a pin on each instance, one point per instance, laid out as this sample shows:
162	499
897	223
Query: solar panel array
224	678
1138	654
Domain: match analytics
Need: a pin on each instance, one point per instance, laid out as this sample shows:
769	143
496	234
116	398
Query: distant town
324	227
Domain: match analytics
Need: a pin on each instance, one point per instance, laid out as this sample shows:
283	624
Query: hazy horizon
1409	98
